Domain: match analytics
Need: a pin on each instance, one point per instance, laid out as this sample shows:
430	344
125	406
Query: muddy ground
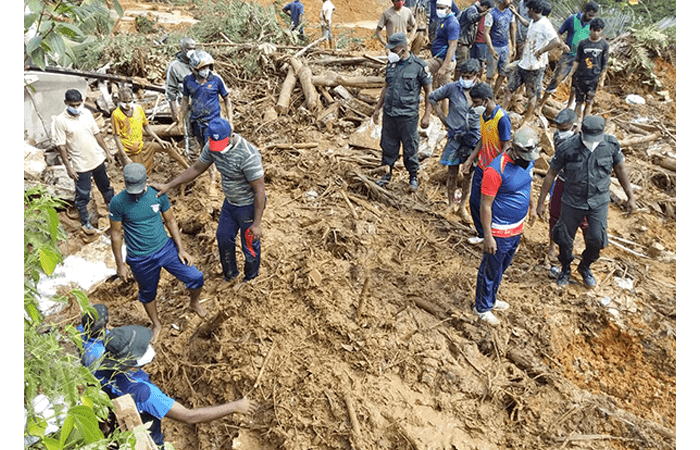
358	332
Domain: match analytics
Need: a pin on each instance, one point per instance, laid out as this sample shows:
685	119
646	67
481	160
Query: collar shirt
204	97
404	81
77	133
587	172
461	116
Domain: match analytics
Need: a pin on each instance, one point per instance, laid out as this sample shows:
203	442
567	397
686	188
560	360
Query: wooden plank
128	418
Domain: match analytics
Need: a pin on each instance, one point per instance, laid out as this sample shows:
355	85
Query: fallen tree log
307	86
665	162
102	76
332	79
286	91
633	141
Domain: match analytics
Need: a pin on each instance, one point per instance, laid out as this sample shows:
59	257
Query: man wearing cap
128	124
396	19
444	45
243	183
586	161
505	201
405	75
83	151
93	331
138	213
127	350
463	126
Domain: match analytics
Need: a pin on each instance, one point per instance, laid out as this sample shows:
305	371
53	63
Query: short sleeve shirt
204	98
130	129
448	30
404	81
575	31
239	164
587	173
592	57
296	9
401	21
510	186
458	117
500	22
141	220
539	34
77	133
177	70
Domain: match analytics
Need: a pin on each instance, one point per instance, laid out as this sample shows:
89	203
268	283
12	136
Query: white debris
633	99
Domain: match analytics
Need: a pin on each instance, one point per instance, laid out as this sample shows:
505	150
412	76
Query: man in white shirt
83	152
541	38
326	22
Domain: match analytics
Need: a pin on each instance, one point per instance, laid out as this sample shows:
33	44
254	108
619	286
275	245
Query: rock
58	182
34	164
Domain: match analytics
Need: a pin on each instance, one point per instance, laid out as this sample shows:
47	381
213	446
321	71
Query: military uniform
404	81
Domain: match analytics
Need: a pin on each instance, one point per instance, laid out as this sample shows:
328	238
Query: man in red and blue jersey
505	201
495	139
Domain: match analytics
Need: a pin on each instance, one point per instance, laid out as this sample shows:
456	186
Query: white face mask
393	57
204	73
467	84
566	134
147	357
480	109
441	13
127	106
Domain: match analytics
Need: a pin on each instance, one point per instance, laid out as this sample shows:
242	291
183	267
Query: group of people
295	11
496	161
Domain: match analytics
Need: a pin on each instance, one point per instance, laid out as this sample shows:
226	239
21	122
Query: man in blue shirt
499	32
444	48
434	18
138	213
295	10
127	350
463	127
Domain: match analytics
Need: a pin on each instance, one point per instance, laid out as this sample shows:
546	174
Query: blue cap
218	133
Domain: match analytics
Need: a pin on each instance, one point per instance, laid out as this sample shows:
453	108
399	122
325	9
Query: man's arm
489	43
189	174
451	47
228	108
258	207
66	162
171	225
470	161
412	31
147	128
380	104
179	413
118	142
103	144
554	43
621	174
378	35
115	234
544	191
425	121
436	96
184	106
490	245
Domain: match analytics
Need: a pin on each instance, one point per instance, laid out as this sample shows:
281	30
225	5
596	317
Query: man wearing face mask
435	17
128	124
506	198
138	213
587	161
443	61
200	95
405	75
396	19
83	152
127	350
177	70
463	127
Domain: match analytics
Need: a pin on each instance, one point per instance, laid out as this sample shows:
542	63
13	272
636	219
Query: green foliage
56	27
144	25
239	21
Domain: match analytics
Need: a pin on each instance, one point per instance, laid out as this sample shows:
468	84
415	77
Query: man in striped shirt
495	139
242	180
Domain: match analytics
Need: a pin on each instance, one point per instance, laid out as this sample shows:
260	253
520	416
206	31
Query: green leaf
67	429
35	6
33	44
56	43
70	31
83	300
88	424
51	443
118	8
49	259
29	20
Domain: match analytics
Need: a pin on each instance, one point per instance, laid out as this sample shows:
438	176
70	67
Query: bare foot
155	331
196	307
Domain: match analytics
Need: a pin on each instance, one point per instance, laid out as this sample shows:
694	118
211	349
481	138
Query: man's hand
161	188
541	210
631	206
185	257
256	231
110	158
375	116
72	173
494	53
490	245
442	71
425	121
246	406
122	273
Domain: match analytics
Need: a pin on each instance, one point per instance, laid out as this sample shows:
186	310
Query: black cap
592	128
565	116
94	321
396	39
125	345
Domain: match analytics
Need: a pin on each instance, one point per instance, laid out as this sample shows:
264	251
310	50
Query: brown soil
367	298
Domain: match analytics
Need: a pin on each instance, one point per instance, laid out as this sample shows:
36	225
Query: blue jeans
83	186
491	272
475	200
233	219
146	270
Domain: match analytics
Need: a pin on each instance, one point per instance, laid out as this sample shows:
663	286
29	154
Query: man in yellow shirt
128	124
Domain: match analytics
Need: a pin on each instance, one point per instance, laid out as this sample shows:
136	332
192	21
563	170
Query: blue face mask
74	111
204	73
466	84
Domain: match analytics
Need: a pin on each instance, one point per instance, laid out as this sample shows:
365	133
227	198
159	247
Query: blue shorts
503	61
146	270
455	153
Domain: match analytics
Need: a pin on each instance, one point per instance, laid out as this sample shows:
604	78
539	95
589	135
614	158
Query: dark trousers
596	236
83	186
398	132
491	272
555	208
475	200
232	220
